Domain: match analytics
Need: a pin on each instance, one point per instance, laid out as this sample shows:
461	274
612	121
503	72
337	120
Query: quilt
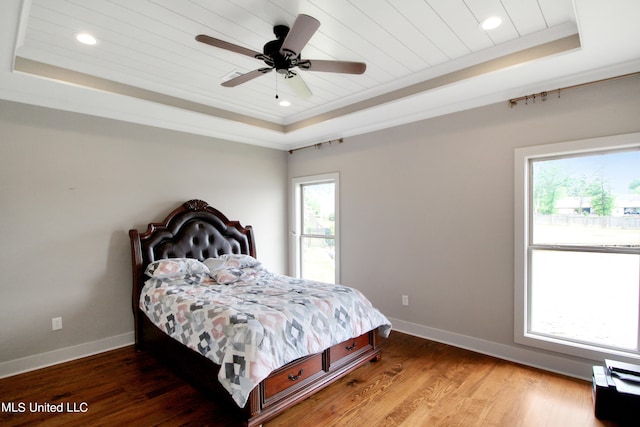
251	321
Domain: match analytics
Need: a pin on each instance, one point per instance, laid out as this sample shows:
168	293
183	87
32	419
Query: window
315	228
577	247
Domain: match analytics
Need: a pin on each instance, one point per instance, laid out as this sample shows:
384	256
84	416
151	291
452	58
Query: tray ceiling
424	57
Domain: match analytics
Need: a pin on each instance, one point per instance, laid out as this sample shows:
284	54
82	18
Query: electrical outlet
405	299
56	323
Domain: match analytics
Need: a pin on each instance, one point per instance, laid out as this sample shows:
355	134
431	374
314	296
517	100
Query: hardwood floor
417	383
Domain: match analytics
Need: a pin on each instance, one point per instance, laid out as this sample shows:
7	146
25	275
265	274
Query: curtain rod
543	95
318	145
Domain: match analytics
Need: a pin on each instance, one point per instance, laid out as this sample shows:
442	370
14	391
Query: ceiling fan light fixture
491	23
86	38
284	103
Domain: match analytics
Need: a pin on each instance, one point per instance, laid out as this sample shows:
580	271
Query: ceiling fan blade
347	67
227	46
246	77
303	28
297	85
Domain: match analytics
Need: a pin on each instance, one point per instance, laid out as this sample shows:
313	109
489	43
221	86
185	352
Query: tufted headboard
193	230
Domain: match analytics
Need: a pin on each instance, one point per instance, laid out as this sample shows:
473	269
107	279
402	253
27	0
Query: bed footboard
284	388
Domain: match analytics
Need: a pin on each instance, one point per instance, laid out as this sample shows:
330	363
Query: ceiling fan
283	54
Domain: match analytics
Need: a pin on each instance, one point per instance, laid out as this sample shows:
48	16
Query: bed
204	304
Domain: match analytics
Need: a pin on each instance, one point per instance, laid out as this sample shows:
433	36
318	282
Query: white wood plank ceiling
150	45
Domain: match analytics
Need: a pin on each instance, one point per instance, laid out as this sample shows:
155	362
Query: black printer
616	392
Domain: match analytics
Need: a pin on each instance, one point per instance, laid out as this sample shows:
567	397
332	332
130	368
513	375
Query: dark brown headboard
193	230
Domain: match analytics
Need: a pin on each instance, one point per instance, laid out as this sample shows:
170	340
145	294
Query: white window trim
521	219
296	219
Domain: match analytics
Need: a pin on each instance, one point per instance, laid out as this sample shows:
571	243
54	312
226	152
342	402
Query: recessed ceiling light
86	38
284	103
491	23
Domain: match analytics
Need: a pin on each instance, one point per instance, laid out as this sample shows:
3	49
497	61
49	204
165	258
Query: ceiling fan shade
303	28
283	54
298	85
346	67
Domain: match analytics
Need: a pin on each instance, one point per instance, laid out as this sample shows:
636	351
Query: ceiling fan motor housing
273	57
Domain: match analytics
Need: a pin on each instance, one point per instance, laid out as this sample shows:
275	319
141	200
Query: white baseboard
549	362
37	361
538	359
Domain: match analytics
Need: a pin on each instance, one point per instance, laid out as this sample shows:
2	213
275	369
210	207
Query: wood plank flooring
417	383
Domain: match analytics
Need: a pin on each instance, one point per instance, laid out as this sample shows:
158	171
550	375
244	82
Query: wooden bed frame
196	230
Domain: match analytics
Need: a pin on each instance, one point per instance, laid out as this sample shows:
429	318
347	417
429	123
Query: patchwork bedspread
258	323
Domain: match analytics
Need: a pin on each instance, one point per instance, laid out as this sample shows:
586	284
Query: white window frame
522	159
296	220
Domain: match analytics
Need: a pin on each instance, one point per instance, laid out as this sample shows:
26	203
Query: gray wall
427	208
71	186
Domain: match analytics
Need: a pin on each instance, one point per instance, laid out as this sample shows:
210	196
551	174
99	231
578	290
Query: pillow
229	268
214	264
226	276
229	275
181	280
171	267
239	260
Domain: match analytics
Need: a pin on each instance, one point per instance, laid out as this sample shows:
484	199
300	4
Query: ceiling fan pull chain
277	86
